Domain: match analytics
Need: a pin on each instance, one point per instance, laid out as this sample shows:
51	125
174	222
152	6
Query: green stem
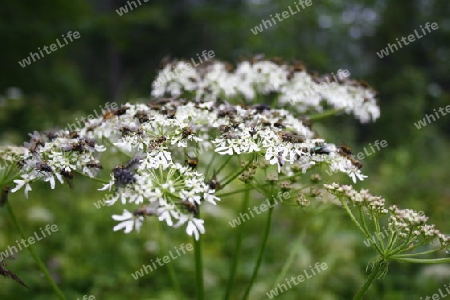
422	260
375	272
352	217
224	164
232	193
210	164
199	267
413	254
237	248
34	254
172	274
377	230
290	260
261	251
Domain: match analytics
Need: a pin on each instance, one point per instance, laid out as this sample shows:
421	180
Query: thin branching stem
237	248
34	254
261	250
376	271
170	267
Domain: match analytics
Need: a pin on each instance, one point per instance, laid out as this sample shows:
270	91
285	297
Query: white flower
166	213
194	227
21	182
108	186
128	221
210	197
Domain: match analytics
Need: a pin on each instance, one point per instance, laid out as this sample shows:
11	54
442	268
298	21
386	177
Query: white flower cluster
159	177
54	156
408	224
411	224
373	204
291	84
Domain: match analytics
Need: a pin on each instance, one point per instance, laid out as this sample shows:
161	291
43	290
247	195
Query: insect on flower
123	176
116	112
94	165
346	152
231	112
126	130
145	211
214	184
73	135
320	148
142	116
345	149
291	138
190	207
187	131
156	142
42	166
68	177
192	162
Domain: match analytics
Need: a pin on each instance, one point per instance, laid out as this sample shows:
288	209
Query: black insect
51	134
278	124
94	165
42	166
261	107
123	176
320	148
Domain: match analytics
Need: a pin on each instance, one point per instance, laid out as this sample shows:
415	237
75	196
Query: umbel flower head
164	138
291	85
409	227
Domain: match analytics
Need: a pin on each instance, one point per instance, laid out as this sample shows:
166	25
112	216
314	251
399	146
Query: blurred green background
116	59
